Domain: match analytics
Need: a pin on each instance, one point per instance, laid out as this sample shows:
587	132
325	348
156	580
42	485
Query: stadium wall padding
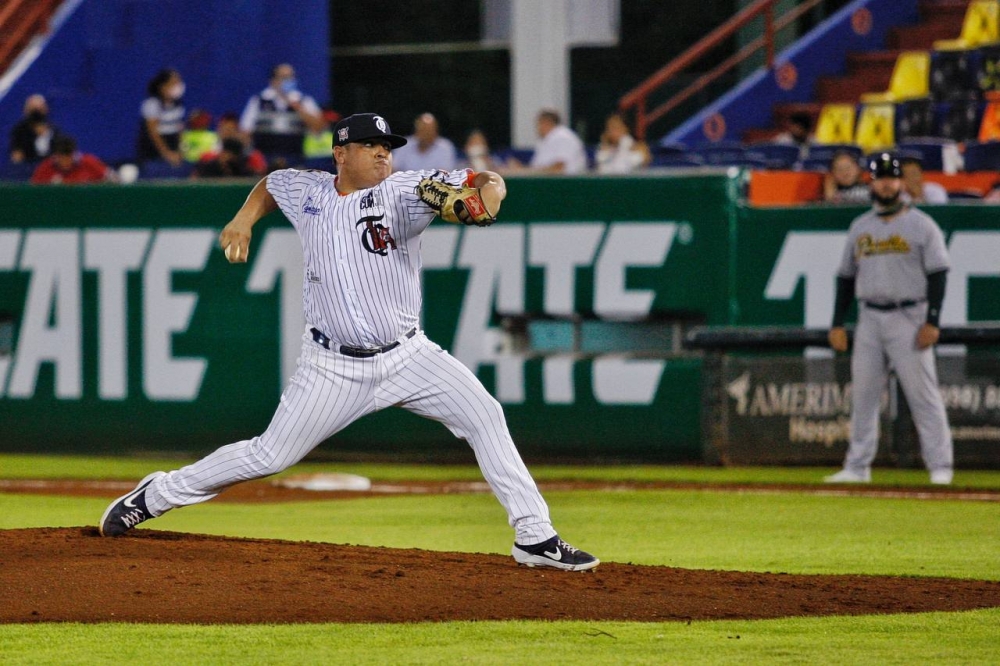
132	333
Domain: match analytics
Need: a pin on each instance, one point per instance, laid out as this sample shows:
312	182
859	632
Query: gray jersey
361	252
890	260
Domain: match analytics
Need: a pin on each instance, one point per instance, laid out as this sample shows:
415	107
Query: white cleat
849	476
942	477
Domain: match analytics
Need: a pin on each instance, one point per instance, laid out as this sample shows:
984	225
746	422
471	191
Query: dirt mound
72	574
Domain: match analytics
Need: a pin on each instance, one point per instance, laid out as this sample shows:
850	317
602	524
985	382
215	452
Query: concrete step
850	88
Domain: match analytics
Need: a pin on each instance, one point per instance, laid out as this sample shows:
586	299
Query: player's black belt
886	307
359	352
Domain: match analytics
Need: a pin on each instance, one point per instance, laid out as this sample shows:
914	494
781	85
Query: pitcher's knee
262	459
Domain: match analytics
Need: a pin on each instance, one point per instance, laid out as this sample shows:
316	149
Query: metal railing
637	99
17	27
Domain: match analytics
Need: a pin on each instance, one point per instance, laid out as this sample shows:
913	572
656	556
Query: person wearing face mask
31	138
278	118
162	119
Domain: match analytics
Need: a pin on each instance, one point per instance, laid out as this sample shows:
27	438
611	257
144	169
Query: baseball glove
455	204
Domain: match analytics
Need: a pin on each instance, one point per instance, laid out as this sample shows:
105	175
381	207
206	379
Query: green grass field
794	532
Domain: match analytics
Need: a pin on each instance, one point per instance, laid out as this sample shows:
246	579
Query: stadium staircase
20	22
872	71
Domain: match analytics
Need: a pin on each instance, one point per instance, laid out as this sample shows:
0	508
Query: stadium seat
162	170
979	27
987	70
522	155
958	120
876	127
723	152
931	151
982	156
910	79
954	74
835	124
676	160
989	126
914	119
20	171
821	152
775	155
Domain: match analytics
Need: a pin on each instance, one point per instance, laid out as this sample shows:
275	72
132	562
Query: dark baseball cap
364	126
885	165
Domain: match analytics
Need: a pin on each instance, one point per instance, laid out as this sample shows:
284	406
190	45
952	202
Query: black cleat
554	553
128	510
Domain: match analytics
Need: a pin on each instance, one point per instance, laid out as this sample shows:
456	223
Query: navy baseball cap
364	126
885	165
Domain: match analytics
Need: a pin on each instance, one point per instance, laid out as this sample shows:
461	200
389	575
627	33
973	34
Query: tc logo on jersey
375	237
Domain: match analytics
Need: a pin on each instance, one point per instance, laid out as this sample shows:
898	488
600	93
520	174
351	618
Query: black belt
359	352
886	307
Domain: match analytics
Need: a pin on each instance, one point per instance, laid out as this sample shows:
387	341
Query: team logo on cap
342	134
380	124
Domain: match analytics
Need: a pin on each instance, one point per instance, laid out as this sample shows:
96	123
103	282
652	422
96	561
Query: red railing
636	100
19	21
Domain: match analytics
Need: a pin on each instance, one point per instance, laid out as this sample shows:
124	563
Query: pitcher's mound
73	575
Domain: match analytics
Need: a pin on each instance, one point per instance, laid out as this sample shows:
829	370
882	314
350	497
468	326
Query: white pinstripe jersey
361	251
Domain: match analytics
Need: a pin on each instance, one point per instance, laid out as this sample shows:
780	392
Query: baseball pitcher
362	349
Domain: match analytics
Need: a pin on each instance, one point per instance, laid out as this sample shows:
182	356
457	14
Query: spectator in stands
559	149
843	183
477	152
228	128
198	138
277	118
162	119
618	151
915	188
797	132
66	165
230	162
31	138
319	145
425	148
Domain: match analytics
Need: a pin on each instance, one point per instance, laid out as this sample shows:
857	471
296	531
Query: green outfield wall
130	332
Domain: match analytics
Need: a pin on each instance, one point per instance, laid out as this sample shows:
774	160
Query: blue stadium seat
17	172
982	156
958	120
775	155
930	151
676	160
825	152
162	170
320	163
522	155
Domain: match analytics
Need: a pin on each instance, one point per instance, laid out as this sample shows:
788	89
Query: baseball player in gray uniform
363	349
895	261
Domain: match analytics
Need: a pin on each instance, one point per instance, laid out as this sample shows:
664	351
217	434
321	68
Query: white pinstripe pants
329	391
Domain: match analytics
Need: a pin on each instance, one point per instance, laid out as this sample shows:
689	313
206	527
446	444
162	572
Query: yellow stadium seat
836	124
876	129
981	26
910	79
